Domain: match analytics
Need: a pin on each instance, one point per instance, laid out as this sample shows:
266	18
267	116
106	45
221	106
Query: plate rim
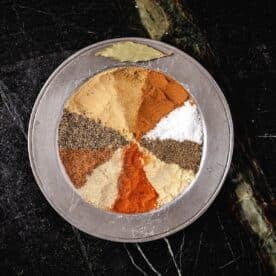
210	199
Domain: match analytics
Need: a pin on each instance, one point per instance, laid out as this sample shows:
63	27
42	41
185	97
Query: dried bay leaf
130	51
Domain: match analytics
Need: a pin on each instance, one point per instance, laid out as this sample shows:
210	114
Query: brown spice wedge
79	163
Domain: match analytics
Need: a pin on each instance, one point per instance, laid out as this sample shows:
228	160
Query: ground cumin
79	163
136	194
160	96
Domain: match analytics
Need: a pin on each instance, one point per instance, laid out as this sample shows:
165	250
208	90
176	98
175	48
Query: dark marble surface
35	37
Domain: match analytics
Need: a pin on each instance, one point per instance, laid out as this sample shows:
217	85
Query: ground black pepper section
186	154
78	132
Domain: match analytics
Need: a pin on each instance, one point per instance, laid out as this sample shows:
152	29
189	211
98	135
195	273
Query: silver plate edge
212	197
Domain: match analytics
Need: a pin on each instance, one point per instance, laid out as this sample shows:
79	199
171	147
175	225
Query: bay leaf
130	51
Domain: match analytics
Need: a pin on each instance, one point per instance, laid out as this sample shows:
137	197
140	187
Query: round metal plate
186	208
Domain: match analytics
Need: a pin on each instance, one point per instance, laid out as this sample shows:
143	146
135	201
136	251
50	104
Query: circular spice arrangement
130	140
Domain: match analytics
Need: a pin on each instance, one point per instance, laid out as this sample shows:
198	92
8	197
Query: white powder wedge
183	123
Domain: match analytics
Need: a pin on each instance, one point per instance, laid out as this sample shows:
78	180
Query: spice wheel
126	153
130	139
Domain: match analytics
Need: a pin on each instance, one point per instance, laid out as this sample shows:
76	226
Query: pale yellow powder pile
113	97
169	180
101	187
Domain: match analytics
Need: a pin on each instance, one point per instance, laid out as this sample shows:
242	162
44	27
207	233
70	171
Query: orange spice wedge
136	194
161	95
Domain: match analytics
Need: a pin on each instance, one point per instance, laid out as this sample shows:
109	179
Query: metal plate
187	207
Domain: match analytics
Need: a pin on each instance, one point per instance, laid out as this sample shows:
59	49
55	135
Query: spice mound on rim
130	140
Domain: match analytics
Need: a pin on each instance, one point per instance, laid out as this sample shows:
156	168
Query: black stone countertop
35	37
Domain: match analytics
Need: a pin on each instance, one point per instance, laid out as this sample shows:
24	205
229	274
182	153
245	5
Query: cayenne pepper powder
161	95
136	194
